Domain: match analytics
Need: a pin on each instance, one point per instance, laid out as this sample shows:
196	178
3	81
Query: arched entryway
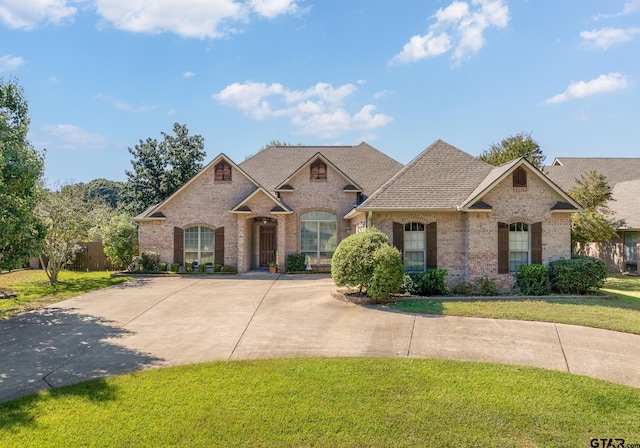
265	242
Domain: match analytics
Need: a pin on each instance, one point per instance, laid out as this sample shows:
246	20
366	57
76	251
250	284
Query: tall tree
105	190
513	147
68	219
595	224
160	168
21	168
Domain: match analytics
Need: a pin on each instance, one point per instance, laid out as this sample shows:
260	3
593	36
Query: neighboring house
445	209
623	176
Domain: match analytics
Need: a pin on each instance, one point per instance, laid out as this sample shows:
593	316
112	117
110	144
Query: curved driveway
168	321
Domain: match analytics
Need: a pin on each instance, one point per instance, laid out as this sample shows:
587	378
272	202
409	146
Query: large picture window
414	246
199	245
518	245
318	236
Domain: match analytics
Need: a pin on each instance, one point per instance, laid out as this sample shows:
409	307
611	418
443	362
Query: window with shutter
219	246
432	245
178	245
199	245
536	243
503	248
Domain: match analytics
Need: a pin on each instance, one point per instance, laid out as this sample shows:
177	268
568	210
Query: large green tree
108	191
21	168
161	167
69	220
596	223
513	147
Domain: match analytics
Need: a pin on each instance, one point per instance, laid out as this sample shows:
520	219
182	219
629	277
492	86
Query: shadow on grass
50	348
19	412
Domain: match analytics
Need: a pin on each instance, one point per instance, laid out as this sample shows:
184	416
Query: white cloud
602	84
460	26
274	8
28	14
9	63
605	37
188	18
68	136
121	105
188	74
317	111
629	7
382	94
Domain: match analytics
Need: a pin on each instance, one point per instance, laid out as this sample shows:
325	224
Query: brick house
623	176
445	209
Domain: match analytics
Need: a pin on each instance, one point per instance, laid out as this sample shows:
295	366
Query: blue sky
100	75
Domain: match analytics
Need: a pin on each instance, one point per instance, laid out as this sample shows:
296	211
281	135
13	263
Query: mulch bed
358	299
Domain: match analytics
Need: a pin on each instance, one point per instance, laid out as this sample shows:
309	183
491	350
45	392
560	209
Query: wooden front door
267	245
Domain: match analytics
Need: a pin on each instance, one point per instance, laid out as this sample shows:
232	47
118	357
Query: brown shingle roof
441	177
622	175
367	166
565	170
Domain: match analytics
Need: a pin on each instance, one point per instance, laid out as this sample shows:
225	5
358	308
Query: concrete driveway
165	321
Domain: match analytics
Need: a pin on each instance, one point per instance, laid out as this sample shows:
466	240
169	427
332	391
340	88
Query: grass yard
621	313
327	403
35	291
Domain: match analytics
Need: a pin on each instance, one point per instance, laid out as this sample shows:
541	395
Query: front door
267	245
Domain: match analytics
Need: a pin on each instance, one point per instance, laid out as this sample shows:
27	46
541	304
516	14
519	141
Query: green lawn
327	403
620	313
35	291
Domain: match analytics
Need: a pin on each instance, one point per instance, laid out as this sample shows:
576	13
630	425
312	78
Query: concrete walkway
169	321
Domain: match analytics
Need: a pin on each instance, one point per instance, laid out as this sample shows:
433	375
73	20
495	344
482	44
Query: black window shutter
398	237
503	248
218	257
178	245
432	245
536	243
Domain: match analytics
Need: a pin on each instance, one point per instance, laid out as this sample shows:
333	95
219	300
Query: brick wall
451	237
530	205
468	242
203	202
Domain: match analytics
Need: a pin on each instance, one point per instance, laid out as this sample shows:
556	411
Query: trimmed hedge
365	258
388	273
433	282
296	262
579	275
533	280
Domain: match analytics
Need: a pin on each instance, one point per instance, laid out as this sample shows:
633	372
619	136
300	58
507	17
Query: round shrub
228	269
296	262
150	260
578	275
387	274
486	286
434	282
354	261
533	280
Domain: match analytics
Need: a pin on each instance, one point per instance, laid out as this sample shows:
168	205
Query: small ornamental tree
119	240
359	261
68	220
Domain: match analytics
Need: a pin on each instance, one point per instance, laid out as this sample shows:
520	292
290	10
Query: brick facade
467	239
